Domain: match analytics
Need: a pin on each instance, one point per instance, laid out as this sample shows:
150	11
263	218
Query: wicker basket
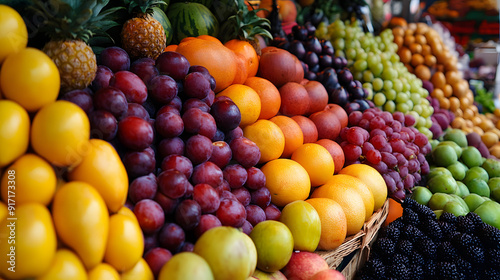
358	244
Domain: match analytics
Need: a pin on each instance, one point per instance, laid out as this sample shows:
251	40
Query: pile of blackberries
420	246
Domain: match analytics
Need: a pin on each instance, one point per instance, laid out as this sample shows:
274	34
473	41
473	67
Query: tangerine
268	137
269	96
247	100
333	222
294	137
317	161
245	48
372	178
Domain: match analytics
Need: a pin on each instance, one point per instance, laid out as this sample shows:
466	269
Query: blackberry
411	232
384	247
492	274
448	217
432	229
465	225
409	203
404	246
429	270
375	268
365	277
425	212
446	252
398	271
398	223
410	217
416	272
474	254
489	235
448	271
427	248
476	220
416	258
390	232
492	257
400	258
446	228
465	267
462	240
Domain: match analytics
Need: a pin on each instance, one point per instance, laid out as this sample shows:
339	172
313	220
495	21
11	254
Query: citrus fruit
304	223
247	100
294	137
30	78
269	96
350	193
274	243
14	36
333	222
14	131
186	265
372	179
287	181
395	211
317	161
245	48
65	265
60	133
34	180
268	137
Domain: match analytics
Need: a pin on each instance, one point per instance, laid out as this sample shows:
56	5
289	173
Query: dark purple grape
207	173
143	187
297	48
255	179
272	212
327	48
196	85
169	146
150	215
299	32
167	204
171	237
242	195
139	163
309	75
261	197
311	59
195	103
337	63
236	175
144	68
115	58
255	214
312	44
173	64
198	148
356	93
311	29
345	77
169	125
226	114
137	110
102	77
340	97
112	100
162	88
80	97
188	214
325	61
103	125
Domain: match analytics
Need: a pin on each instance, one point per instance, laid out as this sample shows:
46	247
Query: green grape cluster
374	61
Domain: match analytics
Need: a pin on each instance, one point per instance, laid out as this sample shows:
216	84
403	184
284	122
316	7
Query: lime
489	212
456	135
455	208
444	155
473	201
479	186
438	200
476	172
421	195
464	191
492	166
457	170
454	145
471	157
442	184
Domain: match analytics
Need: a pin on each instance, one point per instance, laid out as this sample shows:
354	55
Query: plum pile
320	64
390	143
418	245
190	168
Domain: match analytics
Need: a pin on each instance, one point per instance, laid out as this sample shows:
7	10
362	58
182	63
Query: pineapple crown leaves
245	24
75	19
142	6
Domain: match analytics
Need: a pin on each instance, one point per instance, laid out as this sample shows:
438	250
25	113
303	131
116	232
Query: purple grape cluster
190	168
389	143
320	64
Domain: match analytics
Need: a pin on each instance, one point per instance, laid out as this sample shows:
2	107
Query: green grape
381	46
415	98
414	114
425	131
402	97
379	99
428	122
377	69
402	107
410	104
387	64
377	84
361	55
390	106
424	93
397	85
418	108
365	43
368	85
391	94
394	58
388	85
358	76
370	94
420	122
389	74
350	53
339	44
367	75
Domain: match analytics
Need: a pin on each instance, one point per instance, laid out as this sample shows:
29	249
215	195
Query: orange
333	222
209	52
341	189
317	161
170	48
294	138
247	100
268	137
395	211
372	178
287	181
245	48
269	96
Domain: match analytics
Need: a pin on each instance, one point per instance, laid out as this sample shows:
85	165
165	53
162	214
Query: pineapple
143	35
70	24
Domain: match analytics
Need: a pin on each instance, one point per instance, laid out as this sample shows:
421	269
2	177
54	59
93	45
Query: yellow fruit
82	221
186	265
14	131
317	161
349	199
60	133
14	36
268	137
333	222
65	266
102	168
372	179
287	181
34	180
127	212
125	242
304	223
140	271
247	100
30	78
103	271
3	211
33	239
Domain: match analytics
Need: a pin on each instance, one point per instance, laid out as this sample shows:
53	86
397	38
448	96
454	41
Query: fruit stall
243	140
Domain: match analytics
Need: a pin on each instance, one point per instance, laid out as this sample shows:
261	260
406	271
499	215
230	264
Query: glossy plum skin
131	85
116	58
135	133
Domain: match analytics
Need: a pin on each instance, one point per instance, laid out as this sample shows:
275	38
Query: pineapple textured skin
143	37
76	63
